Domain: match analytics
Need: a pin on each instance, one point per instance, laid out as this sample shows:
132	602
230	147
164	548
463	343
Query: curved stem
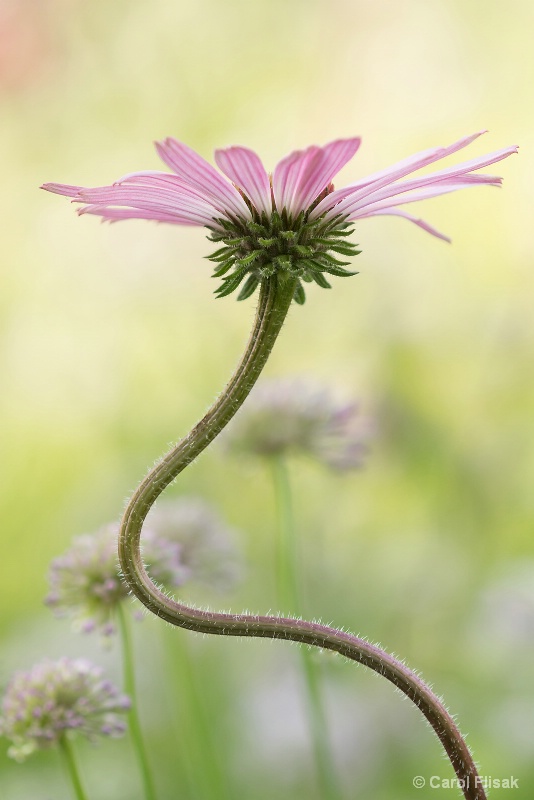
135	723
275	298
72	768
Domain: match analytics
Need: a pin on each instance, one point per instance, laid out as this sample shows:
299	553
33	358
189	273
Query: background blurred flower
85	582
26	42
205	543
55	698
292	415
182	541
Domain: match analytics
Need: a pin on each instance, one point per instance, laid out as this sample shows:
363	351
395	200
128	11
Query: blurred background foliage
112	345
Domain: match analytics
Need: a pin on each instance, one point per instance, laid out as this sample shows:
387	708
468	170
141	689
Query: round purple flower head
85	582
56	699
183	541
296	416
207	552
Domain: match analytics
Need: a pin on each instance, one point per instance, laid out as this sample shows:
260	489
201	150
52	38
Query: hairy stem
289	596
274	301
72	768
130	689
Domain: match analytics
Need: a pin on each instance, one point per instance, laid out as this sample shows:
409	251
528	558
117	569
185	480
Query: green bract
280	245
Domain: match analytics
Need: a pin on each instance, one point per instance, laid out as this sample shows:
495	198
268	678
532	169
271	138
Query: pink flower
286	223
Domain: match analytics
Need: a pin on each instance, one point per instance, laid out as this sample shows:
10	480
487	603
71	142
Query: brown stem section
274	302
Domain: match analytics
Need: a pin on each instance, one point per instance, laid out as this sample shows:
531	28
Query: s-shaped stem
275	298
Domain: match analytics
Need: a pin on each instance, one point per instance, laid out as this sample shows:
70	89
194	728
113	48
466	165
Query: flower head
285	224
207	554
58	698
295	416
182	541
85	583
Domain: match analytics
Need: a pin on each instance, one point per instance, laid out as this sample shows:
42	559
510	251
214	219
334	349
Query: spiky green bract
299	247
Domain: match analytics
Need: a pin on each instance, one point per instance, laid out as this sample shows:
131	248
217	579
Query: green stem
274	302
287	573
72	768
289	593
201	747
130	689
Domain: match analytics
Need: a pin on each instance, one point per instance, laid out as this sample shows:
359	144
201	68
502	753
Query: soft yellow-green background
112	344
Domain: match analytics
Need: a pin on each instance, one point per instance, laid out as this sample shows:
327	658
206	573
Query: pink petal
118	214
460	171
288	174
395	212
122	194
156	195
245	169
317	176
371	183
150	211
195	215
165	180
426	192
199	174
61	188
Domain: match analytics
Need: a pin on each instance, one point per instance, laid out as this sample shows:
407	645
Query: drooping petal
158	196
109	214
396	212
245	169
148	212
198	173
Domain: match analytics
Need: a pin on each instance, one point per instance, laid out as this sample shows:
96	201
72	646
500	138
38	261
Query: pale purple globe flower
208	554
85	583
287	223
296	416
184	541
56	699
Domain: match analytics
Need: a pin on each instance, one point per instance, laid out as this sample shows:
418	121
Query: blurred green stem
129	688
201	747
72	768
289	596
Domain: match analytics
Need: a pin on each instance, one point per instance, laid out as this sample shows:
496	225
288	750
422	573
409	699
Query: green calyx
300	248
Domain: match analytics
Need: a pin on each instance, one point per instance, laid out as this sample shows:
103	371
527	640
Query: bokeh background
112	345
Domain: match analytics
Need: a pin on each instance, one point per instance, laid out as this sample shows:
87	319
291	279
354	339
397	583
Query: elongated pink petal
119	214
61	188
396	212
317	176
125	194
162	195
426	192
245	169
197	172
461	172
376	181
165	180
288	175
194	215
